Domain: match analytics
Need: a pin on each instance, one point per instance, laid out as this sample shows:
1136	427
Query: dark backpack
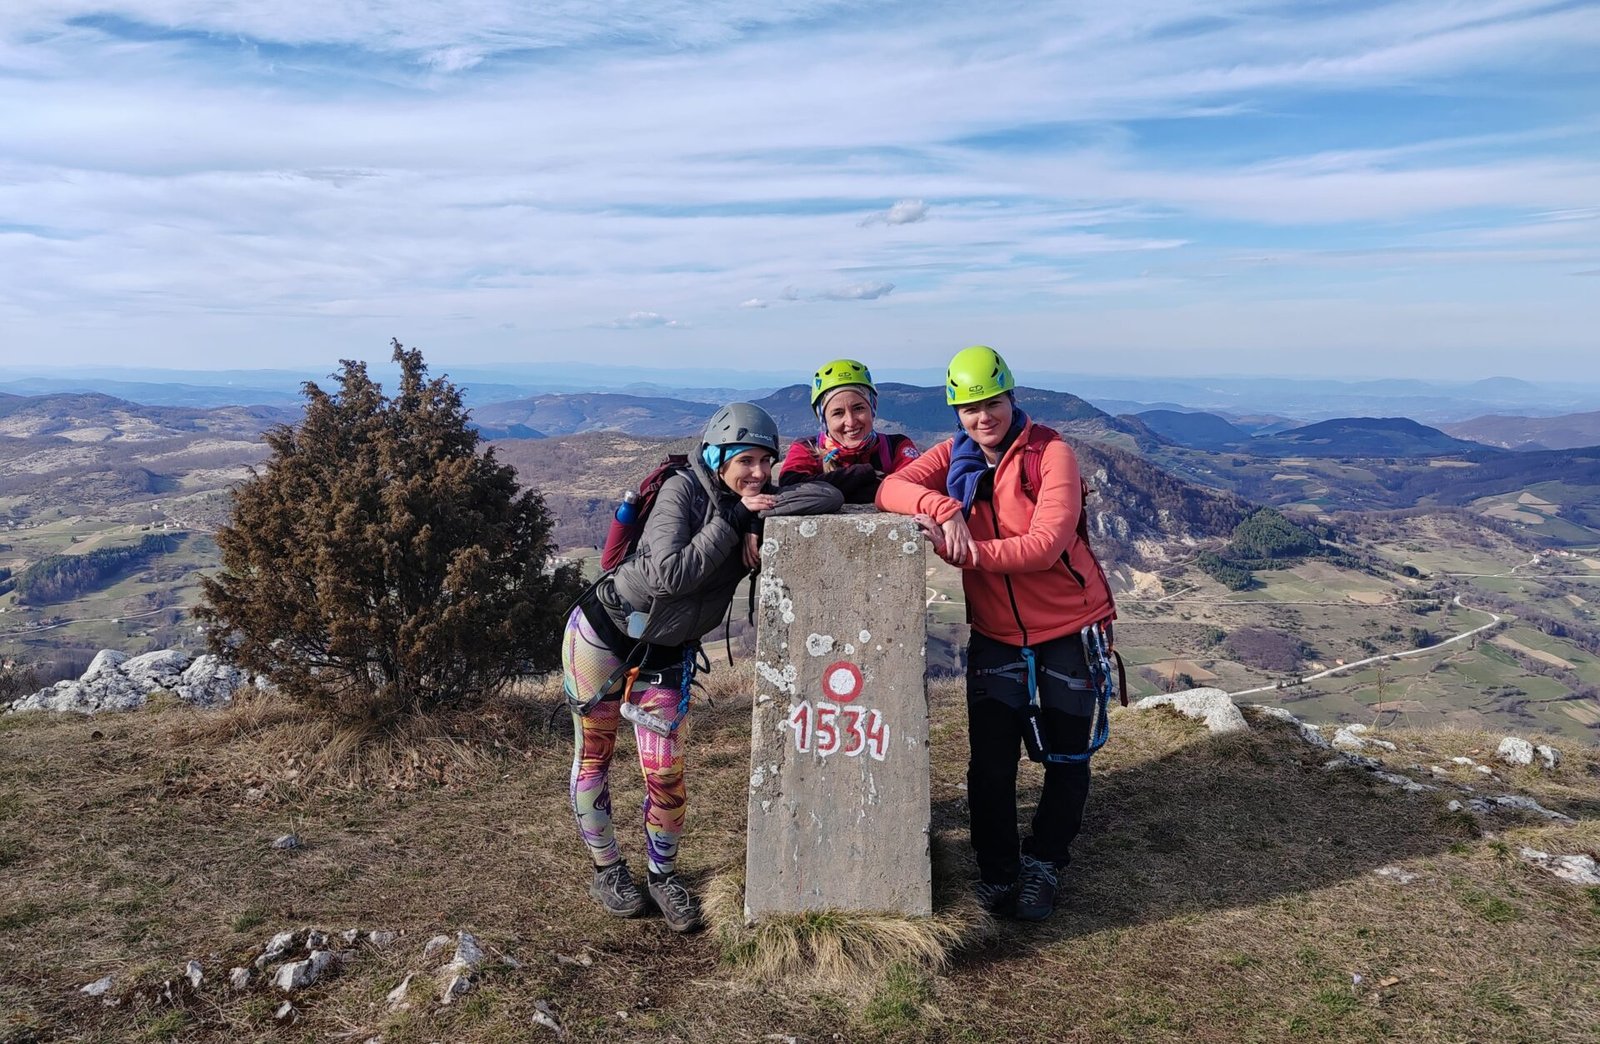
622	539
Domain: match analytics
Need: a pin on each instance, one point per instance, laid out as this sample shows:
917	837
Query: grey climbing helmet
740	424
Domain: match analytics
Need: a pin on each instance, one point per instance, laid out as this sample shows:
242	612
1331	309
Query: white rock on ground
434	945
239	978
114	682
1549	756
157	670
194	974
1308	732
1212	706
300	974
397	996
286	1012
1579	869
1395	874
287	842
98	988
456	976
276	947
381	939
209	682
1515	751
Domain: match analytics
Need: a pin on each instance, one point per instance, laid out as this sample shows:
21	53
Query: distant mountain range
1233	397
92	417
918	411
1572	431
1341	437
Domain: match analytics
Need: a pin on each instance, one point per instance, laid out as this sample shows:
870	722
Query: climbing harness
694	661
1106	678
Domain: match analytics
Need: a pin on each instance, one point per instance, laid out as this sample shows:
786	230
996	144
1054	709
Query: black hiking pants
996	719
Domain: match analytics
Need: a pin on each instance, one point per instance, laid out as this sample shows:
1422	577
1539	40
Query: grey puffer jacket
690	560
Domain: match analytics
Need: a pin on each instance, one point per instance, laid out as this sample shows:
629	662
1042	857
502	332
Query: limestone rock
381	939
1405	783
1527	804
1579	869
1308	732
276	947
194	974
286	1013
456	977
98	988
1395	874
434	945
397	996
1213	706
239	978
300	974
157	670
209	682
1549	756
286	842
1515	751
114	682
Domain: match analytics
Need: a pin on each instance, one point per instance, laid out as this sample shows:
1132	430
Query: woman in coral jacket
848	452
1003	500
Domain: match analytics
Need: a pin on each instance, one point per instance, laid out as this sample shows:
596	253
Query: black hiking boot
678	907
614	889
1036	891
999	899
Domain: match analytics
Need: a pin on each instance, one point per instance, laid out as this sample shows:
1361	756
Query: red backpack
622	539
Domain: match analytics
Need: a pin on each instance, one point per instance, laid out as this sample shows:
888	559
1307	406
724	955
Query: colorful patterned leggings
586	663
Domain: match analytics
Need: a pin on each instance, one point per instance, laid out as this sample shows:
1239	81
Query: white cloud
857	292
464	158
905	212
642	320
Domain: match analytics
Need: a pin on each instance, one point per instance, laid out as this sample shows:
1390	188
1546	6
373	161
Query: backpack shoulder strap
886	449
1039	436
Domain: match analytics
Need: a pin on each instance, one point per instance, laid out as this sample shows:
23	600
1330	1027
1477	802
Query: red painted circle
841	681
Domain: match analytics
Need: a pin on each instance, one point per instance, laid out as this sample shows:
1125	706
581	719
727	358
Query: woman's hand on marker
931	530
759	502
959	549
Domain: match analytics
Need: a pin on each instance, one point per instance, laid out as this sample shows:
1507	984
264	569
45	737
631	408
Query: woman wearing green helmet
848	452
1003	500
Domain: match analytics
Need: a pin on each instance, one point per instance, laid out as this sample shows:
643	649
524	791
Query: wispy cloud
857	292
643	320
181	173
905	212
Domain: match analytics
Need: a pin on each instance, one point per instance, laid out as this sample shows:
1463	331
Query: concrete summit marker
839	739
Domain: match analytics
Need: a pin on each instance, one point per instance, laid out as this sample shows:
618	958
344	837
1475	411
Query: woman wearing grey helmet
632	645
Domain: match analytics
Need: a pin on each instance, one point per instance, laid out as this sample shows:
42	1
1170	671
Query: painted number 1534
829	728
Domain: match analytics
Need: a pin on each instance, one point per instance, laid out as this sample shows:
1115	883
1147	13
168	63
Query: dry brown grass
842	951
1223	891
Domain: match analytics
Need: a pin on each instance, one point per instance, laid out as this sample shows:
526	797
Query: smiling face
747	472
848	417
987	422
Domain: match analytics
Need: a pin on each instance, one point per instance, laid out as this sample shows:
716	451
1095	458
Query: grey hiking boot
998	899
1036	891
678	907
614	889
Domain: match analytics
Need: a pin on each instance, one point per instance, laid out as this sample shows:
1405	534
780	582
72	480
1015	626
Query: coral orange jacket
1034	579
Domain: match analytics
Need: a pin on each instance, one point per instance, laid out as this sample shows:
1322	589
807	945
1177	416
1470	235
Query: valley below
1411	552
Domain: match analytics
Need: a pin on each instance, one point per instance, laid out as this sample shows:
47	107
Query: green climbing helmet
975	374
839	374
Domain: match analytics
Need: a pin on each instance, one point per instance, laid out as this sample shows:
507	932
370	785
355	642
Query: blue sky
1357	189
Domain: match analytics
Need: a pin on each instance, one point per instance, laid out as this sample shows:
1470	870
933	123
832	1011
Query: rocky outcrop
1213	706
117	682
